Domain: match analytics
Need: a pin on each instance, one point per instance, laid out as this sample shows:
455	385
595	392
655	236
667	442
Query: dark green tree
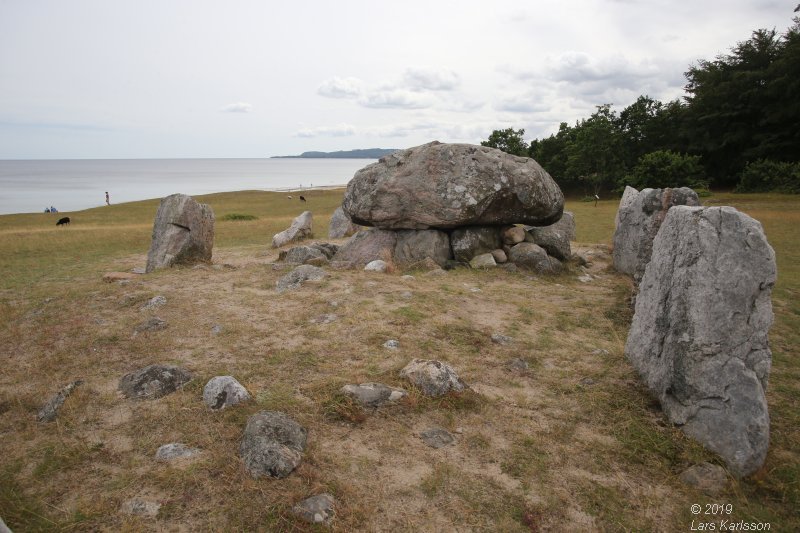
594	154
509	141
663	168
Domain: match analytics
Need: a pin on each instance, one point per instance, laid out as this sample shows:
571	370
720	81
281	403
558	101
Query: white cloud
522	103
340	130
337	87
427	79
238	107
579	67
395	98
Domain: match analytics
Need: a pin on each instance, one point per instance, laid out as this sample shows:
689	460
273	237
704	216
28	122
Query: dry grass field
573	443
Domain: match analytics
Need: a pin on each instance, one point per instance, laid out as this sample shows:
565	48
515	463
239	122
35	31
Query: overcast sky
256	78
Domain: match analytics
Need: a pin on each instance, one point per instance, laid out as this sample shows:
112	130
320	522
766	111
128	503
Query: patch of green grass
409	315
525	459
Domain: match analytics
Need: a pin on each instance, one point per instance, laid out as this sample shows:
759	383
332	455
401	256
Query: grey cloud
337	87
238	107
340	130
579	67
522	103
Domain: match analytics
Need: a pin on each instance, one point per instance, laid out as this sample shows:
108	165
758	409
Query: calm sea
28	186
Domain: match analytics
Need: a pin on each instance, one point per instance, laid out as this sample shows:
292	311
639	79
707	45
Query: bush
239	216
770	176
663	168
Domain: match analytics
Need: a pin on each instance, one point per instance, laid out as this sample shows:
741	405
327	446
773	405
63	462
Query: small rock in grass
224	391
373	394
517	365
153	381
298	276
272	445
433	378
324	319
705	477
436	272
406	295
139	507
498	338
216	329
153	324
377	265
437	437
588	381
407	277
392	344
175	451
154	303
317	509
50	409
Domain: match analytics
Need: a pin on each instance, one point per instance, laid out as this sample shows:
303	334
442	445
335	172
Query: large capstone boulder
413	246
272	445
433	378
699	332
367	246
638	225
451	185
470	241
301	228
153	381
183	233
341	226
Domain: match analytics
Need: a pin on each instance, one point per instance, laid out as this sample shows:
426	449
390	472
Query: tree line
738	127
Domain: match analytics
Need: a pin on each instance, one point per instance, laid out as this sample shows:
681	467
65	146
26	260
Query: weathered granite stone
437	437
499	338
530	256
452	185
224	391
301	228
300	254
298	276
317	509
500	256
49	411
272	445
183	233
554	241
639	223
366	246
378	265
340	225
512	235
413	246
433	378
154	303
699	331
175	451
470	241
705	477
153	381
373	394
627	197
483	261
565	225
392	344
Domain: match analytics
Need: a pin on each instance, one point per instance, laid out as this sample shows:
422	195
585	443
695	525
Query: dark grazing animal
63	221
302	198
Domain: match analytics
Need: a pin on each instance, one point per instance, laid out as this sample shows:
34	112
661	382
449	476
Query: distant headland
365	153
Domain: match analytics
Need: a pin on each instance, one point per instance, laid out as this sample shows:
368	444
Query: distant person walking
108	202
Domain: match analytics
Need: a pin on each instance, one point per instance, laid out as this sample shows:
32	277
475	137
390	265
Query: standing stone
301	228
153	381
413	246
272	445
627	197
451	185
699	332
366	246
340	225
474	240
183	233
639	223
223	391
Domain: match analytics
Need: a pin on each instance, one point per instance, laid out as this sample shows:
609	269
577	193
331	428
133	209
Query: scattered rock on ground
139	507
216	329
392	344
152	324
705	477
49	411
324	319
154	303
224	391
499	338
699	331
433	378
341	226
175	451
517	365
183	233
153	381
317	509
437	437
377	265
301	228
373	394
296	277
272	445
452	185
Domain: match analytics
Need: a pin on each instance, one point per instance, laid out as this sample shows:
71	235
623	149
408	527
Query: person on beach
46	209
53	209
107	201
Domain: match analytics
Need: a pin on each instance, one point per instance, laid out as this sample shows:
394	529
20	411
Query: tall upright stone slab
446	186
699	332
639	222
183	233
341	226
